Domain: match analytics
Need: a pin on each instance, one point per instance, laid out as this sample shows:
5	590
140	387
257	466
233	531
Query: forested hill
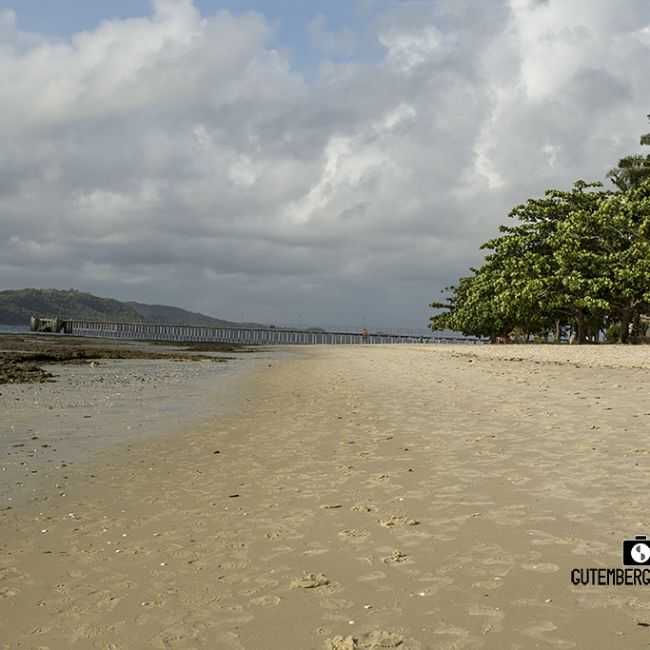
167	314
16	307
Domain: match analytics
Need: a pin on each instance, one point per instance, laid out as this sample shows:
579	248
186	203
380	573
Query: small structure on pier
55	325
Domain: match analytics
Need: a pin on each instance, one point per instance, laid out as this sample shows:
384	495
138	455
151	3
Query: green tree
537	273
579	258
623	226
631	170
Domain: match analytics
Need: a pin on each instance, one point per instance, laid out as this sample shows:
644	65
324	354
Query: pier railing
239	335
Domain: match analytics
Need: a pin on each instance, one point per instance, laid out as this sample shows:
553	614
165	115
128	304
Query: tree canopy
576	259
631	170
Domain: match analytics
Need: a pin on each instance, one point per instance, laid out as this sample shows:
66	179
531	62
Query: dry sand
363	497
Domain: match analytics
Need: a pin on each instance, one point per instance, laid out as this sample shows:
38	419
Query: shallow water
46	427
13	329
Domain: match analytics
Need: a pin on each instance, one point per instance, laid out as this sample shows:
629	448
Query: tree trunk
558	330
636	326
580	328
625	326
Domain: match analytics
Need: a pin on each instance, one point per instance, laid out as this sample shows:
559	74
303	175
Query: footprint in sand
494	616
107	602
266	601
396	557
542	538
542	567
336	603
395	521
540	631
151	604
7	592
379	478
354	535
316	551
372	641
434	583
310	581
369	577
363	507
283	533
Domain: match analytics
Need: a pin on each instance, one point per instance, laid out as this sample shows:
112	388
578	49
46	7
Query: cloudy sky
330	162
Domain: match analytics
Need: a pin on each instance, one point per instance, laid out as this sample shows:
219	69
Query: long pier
235	335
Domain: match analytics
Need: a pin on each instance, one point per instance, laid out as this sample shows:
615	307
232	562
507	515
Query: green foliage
579	258
631	171
613	333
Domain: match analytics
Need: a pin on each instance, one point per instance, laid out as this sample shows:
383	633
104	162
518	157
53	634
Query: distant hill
167	314
16	306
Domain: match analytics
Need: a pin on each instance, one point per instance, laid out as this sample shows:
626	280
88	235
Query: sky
309	163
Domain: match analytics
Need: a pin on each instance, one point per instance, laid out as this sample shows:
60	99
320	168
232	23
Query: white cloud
409	49
184	158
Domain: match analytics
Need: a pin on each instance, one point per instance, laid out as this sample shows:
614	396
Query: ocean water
13	329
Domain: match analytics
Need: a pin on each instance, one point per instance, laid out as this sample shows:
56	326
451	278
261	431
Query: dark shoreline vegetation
23	355
575	265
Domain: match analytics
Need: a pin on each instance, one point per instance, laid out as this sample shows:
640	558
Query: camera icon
636	551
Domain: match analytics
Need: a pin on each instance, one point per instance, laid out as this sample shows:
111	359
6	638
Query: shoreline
403	497
88	406
22	355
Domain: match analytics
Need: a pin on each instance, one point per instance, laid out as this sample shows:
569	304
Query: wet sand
360	497
22	355
85	407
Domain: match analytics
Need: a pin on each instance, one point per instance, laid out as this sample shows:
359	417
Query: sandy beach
412	497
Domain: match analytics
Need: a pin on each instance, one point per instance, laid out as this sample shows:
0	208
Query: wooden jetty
235	335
